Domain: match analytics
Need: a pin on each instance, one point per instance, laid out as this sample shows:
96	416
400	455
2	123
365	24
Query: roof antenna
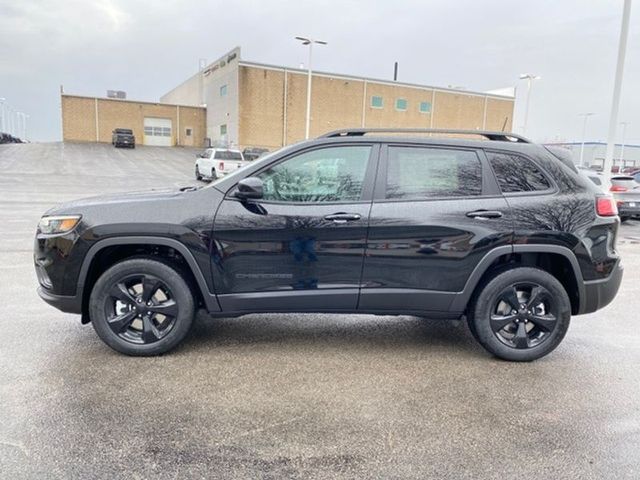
395	72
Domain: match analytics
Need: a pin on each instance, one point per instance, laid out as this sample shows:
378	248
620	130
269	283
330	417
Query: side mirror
250	187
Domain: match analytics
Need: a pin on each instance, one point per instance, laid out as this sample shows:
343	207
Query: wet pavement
293	396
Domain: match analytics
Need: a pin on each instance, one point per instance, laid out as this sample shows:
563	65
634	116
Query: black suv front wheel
141	307
521	314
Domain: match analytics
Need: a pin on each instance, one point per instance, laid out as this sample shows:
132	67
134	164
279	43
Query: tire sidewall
486	301
179	290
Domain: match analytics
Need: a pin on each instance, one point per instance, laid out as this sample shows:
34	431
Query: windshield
124	131
228	155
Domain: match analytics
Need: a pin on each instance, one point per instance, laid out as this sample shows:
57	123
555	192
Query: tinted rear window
416	172
516	173
228	155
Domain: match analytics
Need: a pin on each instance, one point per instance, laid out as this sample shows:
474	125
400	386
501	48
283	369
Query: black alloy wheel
142	306
524	315
520	314
140	309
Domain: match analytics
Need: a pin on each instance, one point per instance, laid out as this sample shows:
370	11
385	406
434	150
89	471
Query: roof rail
489	135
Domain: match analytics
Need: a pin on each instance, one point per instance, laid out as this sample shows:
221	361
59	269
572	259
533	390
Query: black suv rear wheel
141	307
521	314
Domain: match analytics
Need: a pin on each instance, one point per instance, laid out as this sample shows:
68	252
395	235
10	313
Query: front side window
376	102
516	173
334	174
418	172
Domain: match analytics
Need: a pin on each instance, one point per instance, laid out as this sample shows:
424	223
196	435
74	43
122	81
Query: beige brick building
248	104
253	104
92	119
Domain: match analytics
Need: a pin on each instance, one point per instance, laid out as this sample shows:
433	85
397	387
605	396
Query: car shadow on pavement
324	330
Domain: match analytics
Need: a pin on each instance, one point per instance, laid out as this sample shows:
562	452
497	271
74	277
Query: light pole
624	132
26	117
529	77
584	133
9	113
617	87
309	41
2	127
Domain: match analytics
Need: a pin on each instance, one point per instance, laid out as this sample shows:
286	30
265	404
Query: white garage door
157	131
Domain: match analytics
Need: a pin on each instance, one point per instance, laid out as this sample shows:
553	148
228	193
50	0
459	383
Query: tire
127	302
624	219
504	328
213	175
198	176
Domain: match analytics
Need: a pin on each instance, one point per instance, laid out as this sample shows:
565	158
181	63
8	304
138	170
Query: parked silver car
626	191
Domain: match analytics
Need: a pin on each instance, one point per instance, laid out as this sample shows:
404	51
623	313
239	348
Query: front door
300	247
437	211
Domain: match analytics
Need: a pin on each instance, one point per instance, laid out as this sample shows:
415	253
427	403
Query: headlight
58	224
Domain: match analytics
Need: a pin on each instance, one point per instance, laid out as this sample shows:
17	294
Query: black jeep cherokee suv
498	230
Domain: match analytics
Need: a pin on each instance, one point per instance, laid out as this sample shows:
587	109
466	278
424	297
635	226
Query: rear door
437	211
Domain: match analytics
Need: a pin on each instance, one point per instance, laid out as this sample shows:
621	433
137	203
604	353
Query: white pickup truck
216	162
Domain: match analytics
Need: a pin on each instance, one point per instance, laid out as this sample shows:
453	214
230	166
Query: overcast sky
146	48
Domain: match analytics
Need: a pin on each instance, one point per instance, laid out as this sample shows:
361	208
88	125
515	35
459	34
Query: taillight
221	165
618	188
606	207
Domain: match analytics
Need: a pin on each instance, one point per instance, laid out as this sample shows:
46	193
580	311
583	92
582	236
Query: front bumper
600	293
64	303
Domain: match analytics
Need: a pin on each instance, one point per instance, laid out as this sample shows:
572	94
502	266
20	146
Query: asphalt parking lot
292	396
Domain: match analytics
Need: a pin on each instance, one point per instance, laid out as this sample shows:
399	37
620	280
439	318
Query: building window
188	132
157	131
376	102
425	107
223	129
223	91
401	104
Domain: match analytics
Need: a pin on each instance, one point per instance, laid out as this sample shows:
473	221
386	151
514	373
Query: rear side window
228	155
517	174
418	172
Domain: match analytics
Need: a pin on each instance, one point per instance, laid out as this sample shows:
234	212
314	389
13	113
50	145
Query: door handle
484	214
342	217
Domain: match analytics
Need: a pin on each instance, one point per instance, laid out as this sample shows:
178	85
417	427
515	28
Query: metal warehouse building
251	104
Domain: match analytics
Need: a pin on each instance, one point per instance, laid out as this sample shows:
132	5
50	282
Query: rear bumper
600	293
61	302
625	211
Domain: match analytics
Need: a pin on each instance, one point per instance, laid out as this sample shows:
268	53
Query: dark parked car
626	191
123	137
6	138
500	232
253	153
